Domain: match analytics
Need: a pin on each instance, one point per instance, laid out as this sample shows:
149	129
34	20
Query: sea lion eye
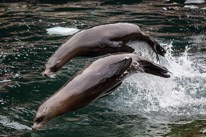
38	120
54	69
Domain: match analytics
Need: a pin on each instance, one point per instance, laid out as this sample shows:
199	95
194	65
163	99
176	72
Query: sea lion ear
59	61
45	109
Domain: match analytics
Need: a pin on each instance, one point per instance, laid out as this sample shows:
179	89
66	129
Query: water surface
144	105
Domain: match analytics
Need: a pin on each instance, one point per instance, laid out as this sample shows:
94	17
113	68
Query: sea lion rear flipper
156	47
111	90
155	69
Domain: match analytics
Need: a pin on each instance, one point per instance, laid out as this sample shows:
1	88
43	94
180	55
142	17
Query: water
144	105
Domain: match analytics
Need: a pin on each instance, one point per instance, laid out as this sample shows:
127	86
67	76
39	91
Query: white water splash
183	94
194	1
61	31
5	81
6	122
191	7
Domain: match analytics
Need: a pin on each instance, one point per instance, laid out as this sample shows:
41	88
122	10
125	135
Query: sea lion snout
35	126
47	73
52	66
50	69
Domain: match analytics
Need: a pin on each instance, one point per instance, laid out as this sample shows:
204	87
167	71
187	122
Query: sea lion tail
155	69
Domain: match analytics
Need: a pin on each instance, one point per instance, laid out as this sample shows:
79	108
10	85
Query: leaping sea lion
97	80
99	40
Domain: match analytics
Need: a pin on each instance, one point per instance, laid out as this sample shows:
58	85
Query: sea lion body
99	40
97	80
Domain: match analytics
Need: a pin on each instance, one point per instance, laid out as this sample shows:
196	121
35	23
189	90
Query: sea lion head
59	59
53	65
43	115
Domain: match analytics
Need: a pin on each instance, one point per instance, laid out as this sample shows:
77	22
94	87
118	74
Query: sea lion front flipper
116	69
120	46
109	75
111	90
116	44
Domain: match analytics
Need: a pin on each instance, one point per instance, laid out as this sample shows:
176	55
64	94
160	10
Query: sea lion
97	80
99	40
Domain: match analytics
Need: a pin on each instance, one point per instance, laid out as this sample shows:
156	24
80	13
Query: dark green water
143	106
